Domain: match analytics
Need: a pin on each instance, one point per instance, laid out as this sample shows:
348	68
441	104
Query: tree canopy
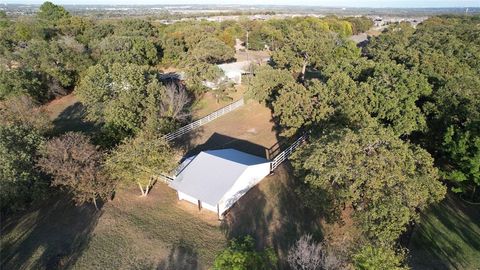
138	159
124	96
77	166
241	254
384	179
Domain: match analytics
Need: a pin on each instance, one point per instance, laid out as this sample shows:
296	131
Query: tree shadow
72	118
220	141
53	235
186	142
435	248
181	257
273	214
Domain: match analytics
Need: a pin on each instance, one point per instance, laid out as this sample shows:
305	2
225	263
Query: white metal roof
210	174
235	67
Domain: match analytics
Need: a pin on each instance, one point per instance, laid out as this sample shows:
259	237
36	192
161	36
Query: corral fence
163	178
287	152
204	120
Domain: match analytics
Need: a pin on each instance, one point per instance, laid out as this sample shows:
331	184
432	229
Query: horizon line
246	5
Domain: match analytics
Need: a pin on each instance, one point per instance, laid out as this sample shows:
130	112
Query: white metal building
234	71
216	179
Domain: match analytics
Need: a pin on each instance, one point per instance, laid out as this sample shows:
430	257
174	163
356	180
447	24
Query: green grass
448	237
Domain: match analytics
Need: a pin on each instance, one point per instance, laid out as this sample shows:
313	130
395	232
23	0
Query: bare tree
76	165
306	254
175	102
166	107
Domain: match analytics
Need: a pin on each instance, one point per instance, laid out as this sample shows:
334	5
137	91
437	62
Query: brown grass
250	128
55	107
153	232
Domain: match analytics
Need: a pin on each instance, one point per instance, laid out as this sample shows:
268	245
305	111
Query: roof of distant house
241	66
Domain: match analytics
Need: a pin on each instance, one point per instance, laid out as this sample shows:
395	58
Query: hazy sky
326	3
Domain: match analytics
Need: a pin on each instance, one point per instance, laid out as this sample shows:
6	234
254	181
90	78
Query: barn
216	179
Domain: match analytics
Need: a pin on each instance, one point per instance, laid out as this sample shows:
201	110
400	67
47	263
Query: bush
241	254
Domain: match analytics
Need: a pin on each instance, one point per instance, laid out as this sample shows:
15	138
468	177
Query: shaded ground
249	128
68	114
272	213
448	237
51	235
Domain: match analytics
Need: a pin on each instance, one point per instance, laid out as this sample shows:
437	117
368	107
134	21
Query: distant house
216	179
234	71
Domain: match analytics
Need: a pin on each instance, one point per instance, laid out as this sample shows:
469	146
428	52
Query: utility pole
248	58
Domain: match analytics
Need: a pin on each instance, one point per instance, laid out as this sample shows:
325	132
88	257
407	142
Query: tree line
391	125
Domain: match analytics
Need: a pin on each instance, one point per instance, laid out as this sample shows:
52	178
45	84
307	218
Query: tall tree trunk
141	189
95	203
304	69
147	188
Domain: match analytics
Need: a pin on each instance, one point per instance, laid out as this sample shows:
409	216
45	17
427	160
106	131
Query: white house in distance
234	71
216	179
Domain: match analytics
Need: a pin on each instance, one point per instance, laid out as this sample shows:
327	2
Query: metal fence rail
287	152
202	121
163	178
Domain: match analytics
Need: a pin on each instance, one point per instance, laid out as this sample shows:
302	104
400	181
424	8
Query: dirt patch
55	107
249	128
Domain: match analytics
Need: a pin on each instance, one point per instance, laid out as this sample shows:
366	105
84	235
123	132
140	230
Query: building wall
207	206
188	198
252	176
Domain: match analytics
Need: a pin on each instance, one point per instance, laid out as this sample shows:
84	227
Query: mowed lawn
448	237
157	232
130	232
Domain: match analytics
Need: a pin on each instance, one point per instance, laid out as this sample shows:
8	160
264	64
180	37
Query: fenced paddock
204	120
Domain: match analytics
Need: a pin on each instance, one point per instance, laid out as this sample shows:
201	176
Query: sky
325	3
